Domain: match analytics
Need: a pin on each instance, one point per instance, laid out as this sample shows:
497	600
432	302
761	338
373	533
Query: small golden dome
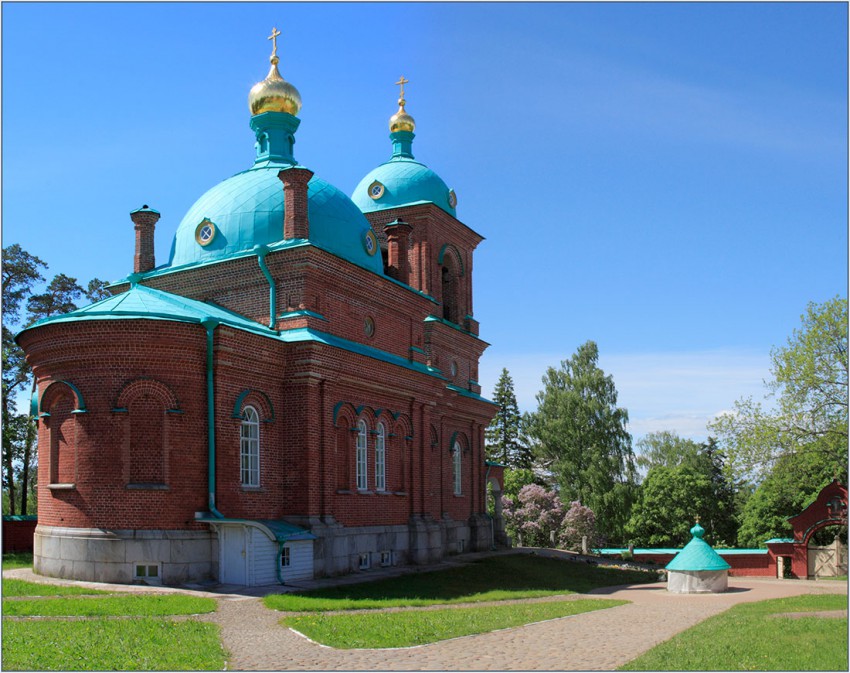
401	121
274	94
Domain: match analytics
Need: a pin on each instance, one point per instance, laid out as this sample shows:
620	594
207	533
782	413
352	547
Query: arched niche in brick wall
450	263
60	404
345	422
147	409
401	440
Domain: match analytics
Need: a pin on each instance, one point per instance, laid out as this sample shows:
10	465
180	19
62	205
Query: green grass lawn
17	560
417	627
101	645
13	587
750	637
516	576
148	641
143	605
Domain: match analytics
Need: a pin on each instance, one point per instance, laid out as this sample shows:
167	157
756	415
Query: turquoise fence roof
661	551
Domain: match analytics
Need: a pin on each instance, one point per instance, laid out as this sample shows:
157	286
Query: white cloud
679	391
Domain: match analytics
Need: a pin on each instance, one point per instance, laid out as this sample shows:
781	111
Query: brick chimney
295	221
398	243
145	220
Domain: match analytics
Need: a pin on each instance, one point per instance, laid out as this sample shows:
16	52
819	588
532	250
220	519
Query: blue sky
666	179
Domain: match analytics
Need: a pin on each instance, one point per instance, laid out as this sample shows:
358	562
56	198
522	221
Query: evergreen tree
581	435
21	271
504	432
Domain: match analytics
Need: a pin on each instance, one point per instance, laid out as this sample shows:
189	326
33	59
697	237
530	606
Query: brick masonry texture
136	457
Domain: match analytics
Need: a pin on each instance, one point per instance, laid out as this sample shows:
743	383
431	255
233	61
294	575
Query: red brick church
292	394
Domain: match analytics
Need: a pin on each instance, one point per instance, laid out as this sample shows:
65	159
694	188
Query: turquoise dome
404	181
247	210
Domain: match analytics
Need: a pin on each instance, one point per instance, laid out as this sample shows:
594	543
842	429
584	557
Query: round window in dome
205	232
452	199
376	190
370	242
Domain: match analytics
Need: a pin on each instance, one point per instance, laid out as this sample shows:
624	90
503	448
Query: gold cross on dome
273	37
401	82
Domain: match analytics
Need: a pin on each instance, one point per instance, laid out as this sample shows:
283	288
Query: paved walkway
601	640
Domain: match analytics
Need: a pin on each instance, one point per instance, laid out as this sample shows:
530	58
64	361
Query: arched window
456	458
362	435
380	458
249	436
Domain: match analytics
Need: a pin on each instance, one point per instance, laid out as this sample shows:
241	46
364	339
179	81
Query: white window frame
285	557
145	570
249	447
456	468
361	455
364	561
381	458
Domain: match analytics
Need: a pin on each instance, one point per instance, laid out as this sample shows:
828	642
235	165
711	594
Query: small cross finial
401	82
273	37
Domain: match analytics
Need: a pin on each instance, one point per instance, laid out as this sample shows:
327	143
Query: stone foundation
181	556
96	555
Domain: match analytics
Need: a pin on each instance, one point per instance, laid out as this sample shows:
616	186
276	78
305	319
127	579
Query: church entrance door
234	555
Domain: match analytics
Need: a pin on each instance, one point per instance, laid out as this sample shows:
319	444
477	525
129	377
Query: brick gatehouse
292	394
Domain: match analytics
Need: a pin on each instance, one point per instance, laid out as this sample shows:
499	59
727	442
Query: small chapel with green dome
292	394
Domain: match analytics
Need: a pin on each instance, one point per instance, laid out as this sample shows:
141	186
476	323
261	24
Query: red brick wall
743	565
117	454
138	458
17	535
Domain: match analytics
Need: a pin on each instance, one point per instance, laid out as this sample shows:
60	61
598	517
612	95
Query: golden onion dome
401	121
274	94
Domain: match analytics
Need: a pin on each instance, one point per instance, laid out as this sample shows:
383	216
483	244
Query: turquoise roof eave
303	334
144	303
468	393
141	302
164	269
454	326
280	531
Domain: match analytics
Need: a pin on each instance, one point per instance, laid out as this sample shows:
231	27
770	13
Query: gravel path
600	640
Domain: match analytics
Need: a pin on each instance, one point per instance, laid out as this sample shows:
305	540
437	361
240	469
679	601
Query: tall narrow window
380	459
250	447
456	456
362	436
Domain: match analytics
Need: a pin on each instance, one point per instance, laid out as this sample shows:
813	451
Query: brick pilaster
398	244
295	221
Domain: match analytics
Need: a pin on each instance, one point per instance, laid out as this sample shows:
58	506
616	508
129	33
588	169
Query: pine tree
503	433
